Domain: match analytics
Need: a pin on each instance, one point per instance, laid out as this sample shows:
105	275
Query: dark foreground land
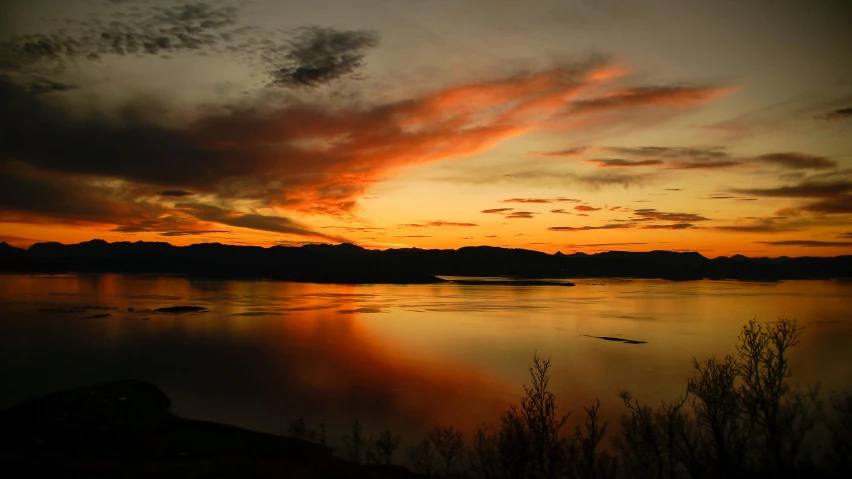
347	263
125	429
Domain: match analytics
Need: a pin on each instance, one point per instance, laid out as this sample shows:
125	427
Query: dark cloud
28	195
610	178
675	226
653	214
809	243
496	210
320	55
587	228
39	86
561	211
686	158
838	114
703	164
797	161
413	236
264	154
619	163
671	152
566	152
355	229
674	189
153	30
839	204
771	224
805	189
521	215
436	224
586	208
311	57
848	234
540	200
191	233
174	193
649	96
274	224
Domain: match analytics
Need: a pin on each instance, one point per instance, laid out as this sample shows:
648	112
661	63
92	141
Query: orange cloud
585	208
436	224
300	157
678	96
540	200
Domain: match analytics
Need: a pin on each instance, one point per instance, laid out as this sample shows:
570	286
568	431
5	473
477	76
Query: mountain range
351	264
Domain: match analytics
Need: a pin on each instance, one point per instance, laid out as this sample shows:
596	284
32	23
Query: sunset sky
720	126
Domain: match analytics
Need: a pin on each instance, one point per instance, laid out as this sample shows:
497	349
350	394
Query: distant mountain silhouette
348	263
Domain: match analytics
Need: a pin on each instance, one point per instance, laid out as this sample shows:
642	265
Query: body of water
401	357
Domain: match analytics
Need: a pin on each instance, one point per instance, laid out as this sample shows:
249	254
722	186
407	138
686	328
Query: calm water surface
404	357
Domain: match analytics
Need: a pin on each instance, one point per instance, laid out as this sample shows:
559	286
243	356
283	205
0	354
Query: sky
723	127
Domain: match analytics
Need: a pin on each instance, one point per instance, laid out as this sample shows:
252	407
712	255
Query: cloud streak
620	163
611	226
839	114
436	224
809	243
678	96
653	214
541	200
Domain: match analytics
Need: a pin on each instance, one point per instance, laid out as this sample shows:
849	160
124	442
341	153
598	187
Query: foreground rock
125	429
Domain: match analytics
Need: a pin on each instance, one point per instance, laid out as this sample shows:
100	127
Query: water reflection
405	357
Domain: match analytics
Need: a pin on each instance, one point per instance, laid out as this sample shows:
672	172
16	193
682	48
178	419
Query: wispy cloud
797	161
808	243
569	152
174	193
496	210
620	163
589	228
541	200
679	96
586	208
653	214
839	114
436	224
805	189
520	215
675	226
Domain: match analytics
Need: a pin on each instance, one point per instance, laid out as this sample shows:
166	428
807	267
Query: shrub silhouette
383	448
356	447
839	421
739	417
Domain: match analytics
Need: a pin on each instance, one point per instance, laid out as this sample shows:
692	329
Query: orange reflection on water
404	357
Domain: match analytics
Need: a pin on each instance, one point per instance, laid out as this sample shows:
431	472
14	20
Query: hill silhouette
351	264
125	429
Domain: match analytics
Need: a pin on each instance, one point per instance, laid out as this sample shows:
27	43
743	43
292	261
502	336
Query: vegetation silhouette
739	417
